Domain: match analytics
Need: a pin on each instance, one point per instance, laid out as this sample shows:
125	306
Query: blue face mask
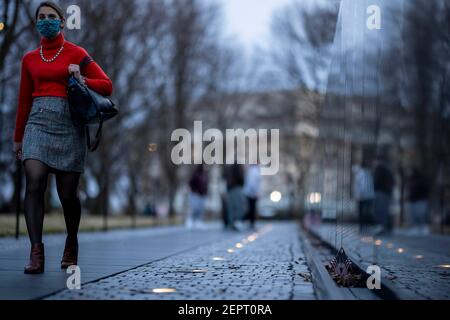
49	28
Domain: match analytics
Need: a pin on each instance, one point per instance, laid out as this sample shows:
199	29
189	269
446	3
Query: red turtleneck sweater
41	79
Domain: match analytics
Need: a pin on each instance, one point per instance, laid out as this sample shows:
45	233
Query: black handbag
89	107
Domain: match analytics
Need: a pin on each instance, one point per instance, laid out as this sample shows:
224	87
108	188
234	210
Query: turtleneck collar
54	43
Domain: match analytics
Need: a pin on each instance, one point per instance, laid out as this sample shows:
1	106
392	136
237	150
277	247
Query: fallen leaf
306	276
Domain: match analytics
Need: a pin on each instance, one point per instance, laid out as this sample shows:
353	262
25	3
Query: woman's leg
36	174
67	185
201	208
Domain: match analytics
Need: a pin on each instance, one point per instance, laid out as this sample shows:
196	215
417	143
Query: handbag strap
98	136
92	146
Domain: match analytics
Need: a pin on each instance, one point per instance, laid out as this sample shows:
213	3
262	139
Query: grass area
54	223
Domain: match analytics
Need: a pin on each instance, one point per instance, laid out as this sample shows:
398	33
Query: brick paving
269	265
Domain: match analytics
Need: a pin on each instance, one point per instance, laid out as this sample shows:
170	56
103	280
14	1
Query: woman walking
45	138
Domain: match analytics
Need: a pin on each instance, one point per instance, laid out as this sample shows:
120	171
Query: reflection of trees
378	79
301	51
302	38
403	98
424	78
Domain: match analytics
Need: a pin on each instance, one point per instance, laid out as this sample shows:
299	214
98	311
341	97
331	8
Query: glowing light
239	245
445	266
419	256
218	259
163	290
252	238
378	242
2	26
275	196
199	271
400	250
315	198
230	250
152	147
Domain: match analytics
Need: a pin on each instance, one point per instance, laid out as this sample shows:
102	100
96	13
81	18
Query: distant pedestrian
252	188
149	209
418	203
384	185
223	198
236	202
199	190
364	194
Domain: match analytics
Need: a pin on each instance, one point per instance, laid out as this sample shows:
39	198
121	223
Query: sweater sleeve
96	79
25	101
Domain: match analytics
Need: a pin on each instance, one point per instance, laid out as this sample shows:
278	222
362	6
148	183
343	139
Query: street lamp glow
418	257
315	198
2	26
275	196
230	250
445	266
152	147
239	245
400	250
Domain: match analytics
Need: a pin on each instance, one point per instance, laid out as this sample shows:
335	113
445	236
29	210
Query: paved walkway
194	264
413	267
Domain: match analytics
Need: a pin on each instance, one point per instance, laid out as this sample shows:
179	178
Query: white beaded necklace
52	59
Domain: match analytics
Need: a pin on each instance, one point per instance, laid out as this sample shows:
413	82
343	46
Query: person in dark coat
418	194
235	200
199	190
383	185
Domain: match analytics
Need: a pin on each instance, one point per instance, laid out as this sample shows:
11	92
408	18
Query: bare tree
17	19
426	48
301	50
302	42
190	59
163	57
126	45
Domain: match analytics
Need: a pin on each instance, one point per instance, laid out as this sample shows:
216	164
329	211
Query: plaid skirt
52	138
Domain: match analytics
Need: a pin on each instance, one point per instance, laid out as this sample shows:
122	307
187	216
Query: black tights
66	183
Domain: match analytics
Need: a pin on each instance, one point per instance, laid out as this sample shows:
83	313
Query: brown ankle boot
37	259
70	256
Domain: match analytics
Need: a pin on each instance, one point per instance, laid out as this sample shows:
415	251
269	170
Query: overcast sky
249	20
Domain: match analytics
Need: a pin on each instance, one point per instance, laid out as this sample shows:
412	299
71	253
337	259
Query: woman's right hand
18	150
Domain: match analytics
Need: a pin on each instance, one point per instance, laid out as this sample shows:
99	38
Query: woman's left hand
75	70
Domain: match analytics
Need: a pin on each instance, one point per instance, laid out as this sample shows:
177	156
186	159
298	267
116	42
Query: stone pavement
267	264
413	267
101	255
133	264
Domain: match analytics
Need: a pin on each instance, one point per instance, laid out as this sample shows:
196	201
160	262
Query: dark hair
52	5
